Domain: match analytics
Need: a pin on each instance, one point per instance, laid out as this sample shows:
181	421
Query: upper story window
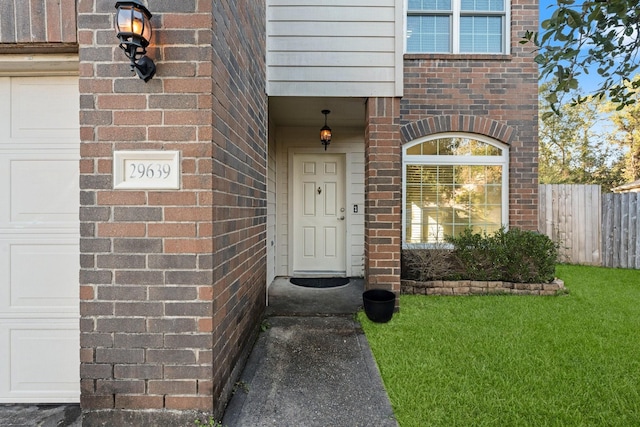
457	26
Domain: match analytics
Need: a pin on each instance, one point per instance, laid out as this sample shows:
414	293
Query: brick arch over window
470	124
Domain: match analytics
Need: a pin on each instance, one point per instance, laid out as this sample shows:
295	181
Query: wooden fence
592	228
621	230
570	215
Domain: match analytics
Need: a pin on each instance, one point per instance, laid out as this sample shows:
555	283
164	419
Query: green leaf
545	38
573	83
575	20
547	115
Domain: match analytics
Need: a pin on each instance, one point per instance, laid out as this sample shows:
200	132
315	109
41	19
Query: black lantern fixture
134	32
325	132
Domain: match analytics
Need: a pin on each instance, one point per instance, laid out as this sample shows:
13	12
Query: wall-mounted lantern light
134	32
325	132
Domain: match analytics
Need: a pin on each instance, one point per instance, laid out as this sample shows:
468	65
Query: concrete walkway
312	366
40	415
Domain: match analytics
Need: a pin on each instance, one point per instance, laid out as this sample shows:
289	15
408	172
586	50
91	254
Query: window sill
459	56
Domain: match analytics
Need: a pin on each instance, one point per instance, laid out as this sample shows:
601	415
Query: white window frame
446	160
455	27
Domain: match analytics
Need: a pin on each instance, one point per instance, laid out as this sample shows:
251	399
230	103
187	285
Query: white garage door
39	261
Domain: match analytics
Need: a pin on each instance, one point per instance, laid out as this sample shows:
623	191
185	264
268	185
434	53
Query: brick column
383	194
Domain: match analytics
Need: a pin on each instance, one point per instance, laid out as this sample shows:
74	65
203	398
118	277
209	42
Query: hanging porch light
325	131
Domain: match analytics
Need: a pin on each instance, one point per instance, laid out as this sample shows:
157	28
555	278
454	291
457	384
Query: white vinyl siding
336	48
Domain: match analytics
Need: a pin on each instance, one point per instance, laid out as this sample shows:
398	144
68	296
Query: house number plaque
146	170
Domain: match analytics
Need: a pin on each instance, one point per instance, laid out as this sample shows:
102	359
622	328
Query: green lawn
571	360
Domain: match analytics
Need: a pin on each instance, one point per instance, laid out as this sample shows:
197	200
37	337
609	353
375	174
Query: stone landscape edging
476	287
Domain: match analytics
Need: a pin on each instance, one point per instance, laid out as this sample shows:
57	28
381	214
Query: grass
571	360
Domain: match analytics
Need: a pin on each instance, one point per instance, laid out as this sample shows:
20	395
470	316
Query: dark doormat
319	282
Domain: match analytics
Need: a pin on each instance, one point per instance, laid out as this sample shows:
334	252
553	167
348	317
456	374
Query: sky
544	11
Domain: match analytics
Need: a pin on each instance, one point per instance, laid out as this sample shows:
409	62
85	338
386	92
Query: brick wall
494	95
240	181
172	282
28	23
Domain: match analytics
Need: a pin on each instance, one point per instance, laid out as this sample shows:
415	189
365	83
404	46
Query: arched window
452	181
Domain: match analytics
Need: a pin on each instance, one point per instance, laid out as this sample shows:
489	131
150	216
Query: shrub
423	264
509	255
512	256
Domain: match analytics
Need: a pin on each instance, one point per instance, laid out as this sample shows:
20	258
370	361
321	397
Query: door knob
341	218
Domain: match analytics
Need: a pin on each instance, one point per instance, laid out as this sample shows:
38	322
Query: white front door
319	214
39	254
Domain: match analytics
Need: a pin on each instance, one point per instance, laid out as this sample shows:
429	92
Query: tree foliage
582	36
574	147
627	135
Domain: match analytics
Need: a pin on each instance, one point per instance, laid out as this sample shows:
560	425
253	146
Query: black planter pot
379	305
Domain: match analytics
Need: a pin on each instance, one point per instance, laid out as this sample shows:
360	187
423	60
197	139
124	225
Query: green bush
512	255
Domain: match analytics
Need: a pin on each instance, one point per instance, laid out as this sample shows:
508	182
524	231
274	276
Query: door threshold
319	274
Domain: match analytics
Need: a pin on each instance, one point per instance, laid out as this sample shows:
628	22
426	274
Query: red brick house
434	120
